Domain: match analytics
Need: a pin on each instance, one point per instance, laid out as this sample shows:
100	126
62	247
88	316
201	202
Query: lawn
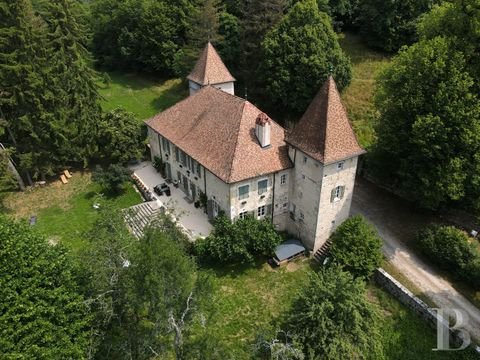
64	212
143	95
358	96
249	299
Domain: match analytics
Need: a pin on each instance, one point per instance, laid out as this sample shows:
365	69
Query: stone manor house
222	146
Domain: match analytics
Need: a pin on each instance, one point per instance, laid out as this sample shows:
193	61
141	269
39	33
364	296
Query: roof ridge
237	135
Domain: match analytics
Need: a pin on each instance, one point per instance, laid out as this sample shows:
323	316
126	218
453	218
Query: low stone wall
405	296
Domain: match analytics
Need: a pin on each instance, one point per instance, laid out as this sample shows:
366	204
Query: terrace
194	220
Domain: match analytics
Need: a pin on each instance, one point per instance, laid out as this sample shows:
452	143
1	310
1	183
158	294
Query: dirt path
397	223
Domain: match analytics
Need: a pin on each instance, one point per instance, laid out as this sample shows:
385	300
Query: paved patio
194	220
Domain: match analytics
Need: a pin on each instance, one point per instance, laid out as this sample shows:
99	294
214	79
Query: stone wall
405	296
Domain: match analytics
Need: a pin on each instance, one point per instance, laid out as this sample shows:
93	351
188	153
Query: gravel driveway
397	223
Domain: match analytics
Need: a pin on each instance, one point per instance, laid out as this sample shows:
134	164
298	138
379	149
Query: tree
452	250
140	34
22	72
107	283
259	17
333	319
203	27
71	81
120	137
298	56
388	25
429	126
112	178
238	242
459	21
357	247
42	314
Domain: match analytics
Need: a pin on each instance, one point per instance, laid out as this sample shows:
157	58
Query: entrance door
185	185
194	192
169	171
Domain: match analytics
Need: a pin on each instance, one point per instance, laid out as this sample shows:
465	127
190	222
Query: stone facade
315	209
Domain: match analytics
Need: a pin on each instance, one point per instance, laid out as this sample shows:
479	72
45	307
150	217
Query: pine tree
72	82
22	74
260	16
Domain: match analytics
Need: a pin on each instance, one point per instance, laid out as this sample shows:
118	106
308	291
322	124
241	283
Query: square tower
325	152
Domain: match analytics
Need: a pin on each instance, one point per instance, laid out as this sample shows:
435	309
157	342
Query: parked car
162	189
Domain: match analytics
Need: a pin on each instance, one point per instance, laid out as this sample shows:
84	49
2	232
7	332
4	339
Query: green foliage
120	137
145	293
298	56
48	98
333	319
112	178
238	242
42	314
357	247
388	25
452	250
429	126
139	34
459	20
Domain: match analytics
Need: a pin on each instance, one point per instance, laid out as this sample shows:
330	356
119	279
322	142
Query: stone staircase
139	216
322	253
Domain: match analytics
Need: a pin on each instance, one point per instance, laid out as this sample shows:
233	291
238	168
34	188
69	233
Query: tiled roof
324	132
210	69
218	130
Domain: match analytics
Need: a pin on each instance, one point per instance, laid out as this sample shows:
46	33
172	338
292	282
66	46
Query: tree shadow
170	96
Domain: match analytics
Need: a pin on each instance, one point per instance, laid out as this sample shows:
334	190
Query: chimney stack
263	127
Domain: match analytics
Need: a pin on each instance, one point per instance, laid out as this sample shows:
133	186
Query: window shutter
268	210
342	191
332	196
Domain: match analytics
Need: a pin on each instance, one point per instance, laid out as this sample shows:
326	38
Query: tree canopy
388	25
429	127
298	56
333	319
357	247
42	313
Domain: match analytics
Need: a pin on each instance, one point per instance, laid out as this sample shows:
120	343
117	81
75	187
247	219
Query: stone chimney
263	127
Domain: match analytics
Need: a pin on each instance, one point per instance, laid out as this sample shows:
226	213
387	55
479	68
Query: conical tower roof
210	69
324	131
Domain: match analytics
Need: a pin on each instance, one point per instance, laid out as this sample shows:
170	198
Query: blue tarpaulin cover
288	248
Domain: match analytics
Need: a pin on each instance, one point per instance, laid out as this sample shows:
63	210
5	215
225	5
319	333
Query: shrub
357	247
451	249
333	319
112	179
238	242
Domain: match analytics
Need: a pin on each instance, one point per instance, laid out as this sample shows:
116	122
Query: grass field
140	94
358	96
64	212
249	299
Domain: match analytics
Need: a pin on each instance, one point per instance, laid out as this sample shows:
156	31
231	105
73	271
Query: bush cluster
452	250
238	242
357	247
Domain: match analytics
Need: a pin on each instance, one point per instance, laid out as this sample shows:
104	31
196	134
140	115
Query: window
243	215
177	154
166	145
283	179
337	193
292	211
302	217
285	205
304	159
243	192
340	165
261	211
199	173
262	186
300	194
183	158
